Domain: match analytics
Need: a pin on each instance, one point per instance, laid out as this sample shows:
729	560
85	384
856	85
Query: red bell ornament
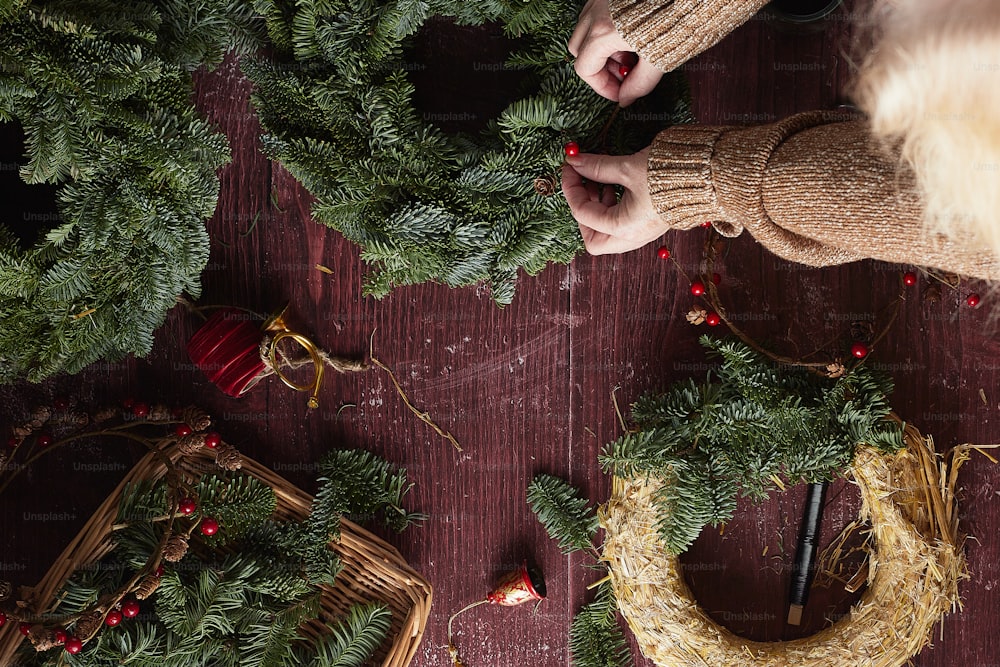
525	584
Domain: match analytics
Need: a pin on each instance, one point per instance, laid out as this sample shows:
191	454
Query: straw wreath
915	564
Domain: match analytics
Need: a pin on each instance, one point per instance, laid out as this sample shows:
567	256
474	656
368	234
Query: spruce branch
564	513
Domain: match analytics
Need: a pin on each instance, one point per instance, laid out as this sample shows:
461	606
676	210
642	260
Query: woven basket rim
373	568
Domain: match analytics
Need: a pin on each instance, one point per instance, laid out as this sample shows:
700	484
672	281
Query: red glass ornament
209	526
187	506
697	288
113	618
572	149
227	350
972	300
73	645
712	319
60	636
910	278
130	609
212	440
183	430
859	350
663	252
140	409
44	439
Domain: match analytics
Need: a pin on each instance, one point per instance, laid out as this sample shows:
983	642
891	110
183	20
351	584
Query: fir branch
353	641
595	639
564	513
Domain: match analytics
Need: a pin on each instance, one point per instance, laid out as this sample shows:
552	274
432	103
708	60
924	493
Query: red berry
182	430
859	350
572	149
697	288
73	645
61	636
130	609
706	225
187	506
13	441
624	69
909	278
159	571
663	252
712	319
113	618
128	403
3	619
44	439
60	403
972	300
212	440
209	527
716	278
24	628
140	409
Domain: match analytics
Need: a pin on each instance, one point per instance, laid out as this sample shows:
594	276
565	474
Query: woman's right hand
601	52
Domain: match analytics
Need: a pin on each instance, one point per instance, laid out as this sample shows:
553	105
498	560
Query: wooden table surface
527	389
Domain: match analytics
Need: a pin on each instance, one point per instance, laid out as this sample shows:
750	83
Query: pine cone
835	370
104	414
228	457
159	413
79	419
696	316
196	418
545	186
42	638
192	443
41	414
5	590
3	462
175	548
147	586
22	431
89	624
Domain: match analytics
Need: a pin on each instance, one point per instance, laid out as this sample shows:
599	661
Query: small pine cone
89	624
42	638
696	316
835	370
175	548
79	419
196	418
159	413
191	443
41	414
3	462
228	457
104	414
147	586
22	431
545	186
5	590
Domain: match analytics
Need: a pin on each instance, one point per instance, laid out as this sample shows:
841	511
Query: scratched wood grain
527	389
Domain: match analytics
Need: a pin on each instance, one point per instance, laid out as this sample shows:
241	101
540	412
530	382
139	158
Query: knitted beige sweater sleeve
809	190
669	32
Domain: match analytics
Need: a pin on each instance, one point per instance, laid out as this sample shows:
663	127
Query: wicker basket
372	569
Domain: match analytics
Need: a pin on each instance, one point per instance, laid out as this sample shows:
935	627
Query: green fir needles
102	92
337	108
563	512
239	597
750	424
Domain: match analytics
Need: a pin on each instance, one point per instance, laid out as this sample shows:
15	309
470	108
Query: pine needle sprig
563	512
595	638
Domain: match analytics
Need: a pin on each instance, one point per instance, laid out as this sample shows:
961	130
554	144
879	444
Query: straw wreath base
372	569
914	570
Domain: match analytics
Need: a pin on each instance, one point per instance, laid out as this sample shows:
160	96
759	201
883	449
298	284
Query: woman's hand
600	54
609	225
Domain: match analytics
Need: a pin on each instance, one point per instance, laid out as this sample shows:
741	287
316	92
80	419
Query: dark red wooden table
527	389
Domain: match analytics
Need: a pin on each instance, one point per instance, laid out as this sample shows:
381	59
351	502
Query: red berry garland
209	527
140	409
623	70
24	628
972	300
60	636
697	288
706	225
212	440
663	252
183	430
130	609
910	278
572	149
3	619
859	350
187	506
44	439
113	618
712	319
73	645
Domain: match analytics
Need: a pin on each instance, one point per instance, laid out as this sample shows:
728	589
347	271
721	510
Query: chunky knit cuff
669	32
680	175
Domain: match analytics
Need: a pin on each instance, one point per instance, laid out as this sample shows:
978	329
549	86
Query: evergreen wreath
203	571
103	92
336	105
751	426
